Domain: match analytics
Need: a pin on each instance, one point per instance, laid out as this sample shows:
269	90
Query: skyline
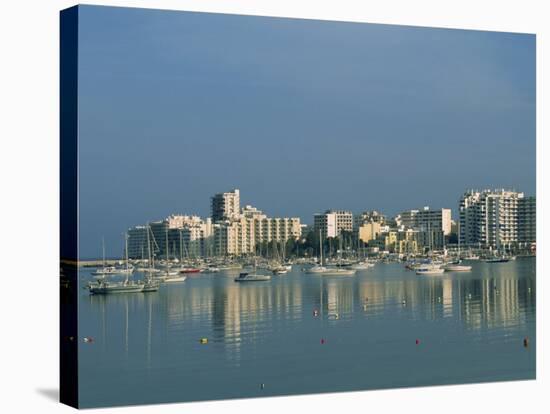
283	109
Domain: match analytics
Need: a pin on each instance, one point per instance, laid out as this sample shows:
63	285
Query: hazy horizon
301	115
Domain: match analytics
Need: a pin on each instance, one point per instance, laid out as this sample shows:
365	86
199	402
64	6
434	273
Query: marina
188	340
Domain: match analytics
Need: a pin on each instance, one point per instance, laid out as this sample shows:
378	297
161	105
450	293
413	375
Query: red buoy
417	341
322	341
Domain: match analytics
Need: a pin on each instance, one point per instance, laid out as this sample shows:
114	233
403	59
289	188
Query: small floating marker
469	296
403	302
365	307
262	386
88	339
525	342
315	312
417	342
366	299
203	341
322	341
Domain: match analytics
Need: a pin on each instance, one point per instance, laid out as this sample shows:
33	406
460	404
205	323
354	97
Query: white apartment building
426	219
489	218
226	206
331	223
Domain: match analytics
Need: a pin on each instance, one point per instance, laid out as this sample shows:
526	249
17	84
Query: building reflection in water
231	314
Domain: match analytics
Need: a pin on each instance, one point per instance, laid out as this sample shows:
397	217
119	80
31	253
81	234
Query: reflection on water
146	346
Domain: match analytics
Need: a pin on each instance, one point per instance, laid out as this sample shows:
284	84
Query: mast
320	248
103	247
126	255
166	243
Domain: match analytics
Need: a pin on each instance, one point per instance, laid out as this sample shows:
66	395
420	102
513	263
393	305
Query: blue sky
301	115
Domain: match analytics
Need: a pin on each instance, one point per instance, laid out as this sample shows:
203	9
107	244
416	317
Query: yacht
362	266
431	270
316	269
104	287
106	270
338	271
452	267
175	279
251	277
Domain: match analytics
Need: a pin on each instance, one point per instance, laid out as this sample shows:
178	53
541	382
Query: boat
316	269
210	269
430	270
150	285
106	270
251	277
189	270
457	268
497	260
362	266
105	287
175	279
338	271
279	270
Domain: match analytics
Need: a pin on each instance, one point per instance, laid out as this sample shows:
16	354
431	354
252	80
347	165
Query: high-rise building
426	219
489	218
527	220
226	206
332	223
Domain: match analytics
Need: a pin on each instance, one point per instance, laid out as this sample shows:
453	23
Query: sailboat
150	284
102	286
318	268
252	277
104	269
457	267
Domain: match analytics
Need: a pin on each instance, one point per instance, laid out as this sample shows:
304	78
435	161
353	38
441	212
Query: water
146	346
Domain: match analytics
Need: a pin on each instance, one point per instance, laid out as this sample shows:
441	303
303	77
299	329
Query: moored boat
251	277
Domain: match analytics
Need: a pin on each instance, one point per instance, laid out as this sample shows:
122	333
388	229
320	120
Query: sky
300	115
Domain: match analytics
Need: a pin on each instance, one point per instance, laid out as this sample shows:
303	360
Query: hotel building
496	218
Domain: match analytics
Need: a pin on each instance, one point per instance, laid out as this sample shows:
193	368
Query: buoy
365	307
322	341
404	302
315	312
366	299
418	342
525	342
262	385
203	340
88	339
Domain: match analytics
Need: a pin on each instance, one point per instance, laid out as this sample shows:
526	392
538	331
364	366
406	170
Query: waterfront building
242	236
527	220
368	217
426	219
225	206
369	231
490	218
332	223
177	236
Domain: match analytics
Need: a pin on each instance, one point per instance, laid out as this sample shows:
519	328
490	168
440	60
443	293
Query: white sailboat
318	268
252	277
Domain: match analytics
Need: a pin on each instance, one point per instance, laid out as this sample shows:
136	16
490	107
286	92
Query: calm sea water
470	328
